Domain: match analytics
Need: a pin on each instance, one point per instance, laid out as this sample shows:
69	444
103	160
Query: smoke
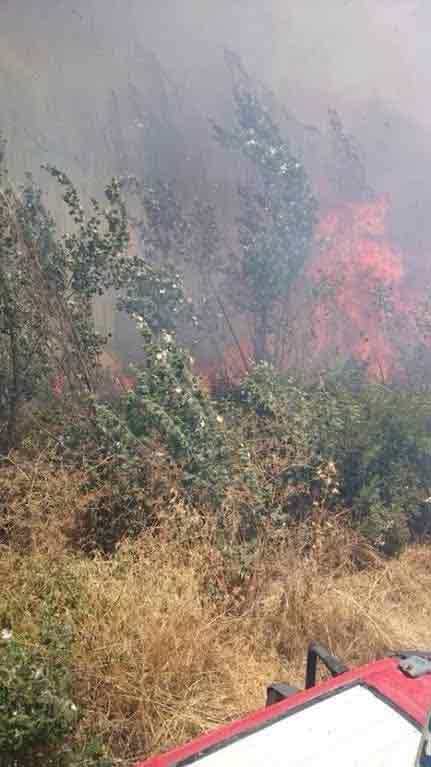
344	53
312	54
111	86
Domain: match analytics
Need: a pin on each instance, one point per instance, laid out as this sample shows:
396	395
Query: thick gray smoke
110	86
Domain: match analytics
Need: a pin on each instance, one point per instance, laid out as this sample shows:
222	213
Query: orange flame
360	273
360	277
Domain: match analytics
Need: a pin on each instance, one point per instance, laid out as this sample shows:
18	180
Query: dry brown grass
173	638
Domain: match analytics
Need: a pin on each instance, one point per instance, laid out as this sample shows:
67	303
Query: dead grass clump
179	631
42	505
167	649
159	659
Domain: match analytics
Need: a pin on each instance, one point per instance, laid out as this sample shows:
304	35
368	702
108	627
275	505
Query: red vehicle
372	716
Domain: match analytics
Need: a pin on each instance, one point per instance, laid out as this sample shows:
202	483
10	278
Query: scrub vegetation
172	537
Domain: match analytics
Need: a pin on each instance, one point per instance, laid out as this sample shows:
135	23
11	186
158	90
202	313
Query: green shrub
38	716
169	405
386	528
342	443
37	712
167	436
383	454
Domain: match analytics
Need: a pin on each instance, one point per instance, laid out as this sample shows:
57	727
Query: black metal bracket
279	691
317	652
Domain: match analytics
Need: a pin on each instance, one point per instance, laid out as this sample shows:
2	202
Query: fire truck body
370	716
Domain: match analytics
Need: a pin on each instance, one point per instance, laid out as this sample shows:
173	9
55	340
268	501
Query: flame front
359	275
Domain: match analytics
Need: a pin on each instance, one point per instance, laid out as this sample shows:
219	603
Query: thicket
273	461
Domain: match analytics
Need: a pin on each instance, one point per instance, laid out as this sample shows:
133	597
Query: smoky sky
106	86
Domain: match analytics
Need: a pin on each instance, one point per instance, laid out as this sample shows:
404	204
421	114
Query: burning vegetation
362	273
190	514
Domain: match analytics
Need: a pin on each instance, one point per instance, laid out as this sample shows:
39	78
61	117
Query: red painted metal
413	696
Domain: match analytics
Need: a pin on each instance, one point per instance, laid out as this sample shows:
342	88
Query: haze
107	86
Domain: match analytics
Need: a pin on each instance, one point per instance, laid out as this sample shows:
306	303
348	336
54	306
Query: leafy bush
278	213
381	444
117	478
36	711
47	287
38	716
169	404
340	444
165	438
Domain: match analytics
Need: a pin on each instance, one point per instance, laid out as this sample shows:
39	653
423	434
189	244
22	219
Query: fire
362	306
230	369
359	274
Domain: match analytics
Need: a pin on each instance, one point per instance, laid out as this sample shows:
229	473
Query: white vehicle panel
352	728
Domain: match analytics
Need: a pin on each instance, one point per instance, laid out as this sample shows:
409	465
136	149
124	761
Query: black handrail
316	652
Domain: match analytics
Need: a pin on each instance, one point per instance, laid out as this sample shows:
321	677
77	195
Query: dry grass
172	637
